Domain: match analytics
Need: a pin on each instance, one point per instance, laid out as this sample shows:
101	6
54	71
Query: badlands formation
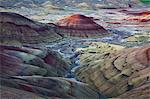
57	49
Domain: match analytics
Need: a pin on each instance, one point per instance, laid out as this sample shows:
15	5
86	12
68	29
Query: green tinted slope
145	1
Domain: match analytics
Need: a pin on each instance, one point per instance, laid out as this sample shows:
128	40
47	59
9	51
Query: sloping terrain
35	73
19	29
31	61
80	26
74	49
119	72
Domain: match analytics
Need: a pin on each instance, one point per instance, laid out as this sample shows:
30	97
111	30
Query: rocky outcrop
16	29
120	73
80	26
25	61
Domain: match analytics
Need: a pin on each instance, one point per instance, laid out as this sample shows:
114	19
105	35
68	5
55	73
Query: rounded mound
80	26
17	28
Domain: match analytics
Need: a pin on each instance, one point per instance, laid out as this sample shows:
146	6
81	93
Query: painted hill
36	61
17	28
117	74
80	26
29	73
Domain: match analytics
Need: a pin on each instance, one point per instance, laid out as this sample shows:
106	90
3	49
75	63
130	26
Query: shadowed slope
48	88
15	27
30	61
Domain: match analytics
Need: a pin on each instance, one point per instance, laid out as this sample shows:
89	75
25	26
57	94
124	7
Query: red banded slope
80	26
15	27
